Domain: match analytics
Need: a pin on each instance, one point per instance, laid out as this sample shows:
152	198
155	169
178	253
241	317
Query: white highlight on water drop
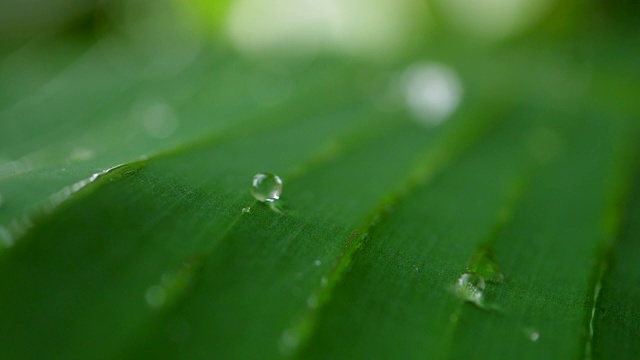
317	263
470	287
266	187
246	210
432	92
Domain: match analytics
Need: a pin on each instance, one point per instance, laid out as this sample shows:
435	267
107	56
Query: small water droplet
317	263
246	210
155	296
470	287
483	263
266	187
324	281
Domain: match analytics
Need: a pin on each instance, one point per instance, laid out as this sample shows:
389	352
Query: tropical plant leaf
127	241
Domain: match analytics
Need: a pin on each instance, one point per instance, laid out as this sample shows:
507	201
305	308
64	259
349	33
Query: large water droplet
266	187
470	287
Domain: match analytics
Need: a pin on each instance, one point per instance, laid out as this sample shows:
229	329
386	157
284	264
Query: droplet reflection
470	287
266	187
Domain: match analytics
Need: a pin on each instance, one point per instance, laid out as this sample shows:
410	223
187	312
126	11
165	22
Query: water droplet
155	296
317	263
484	264
246	210
470	287
432	92
266	187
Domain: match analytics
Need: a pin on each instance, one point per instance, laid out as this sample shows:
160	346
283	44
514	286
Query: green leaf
121	242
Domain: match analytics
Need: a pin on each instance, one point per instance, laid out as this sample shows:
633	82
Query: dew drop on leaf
470	287
266	187
484	264
246	210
